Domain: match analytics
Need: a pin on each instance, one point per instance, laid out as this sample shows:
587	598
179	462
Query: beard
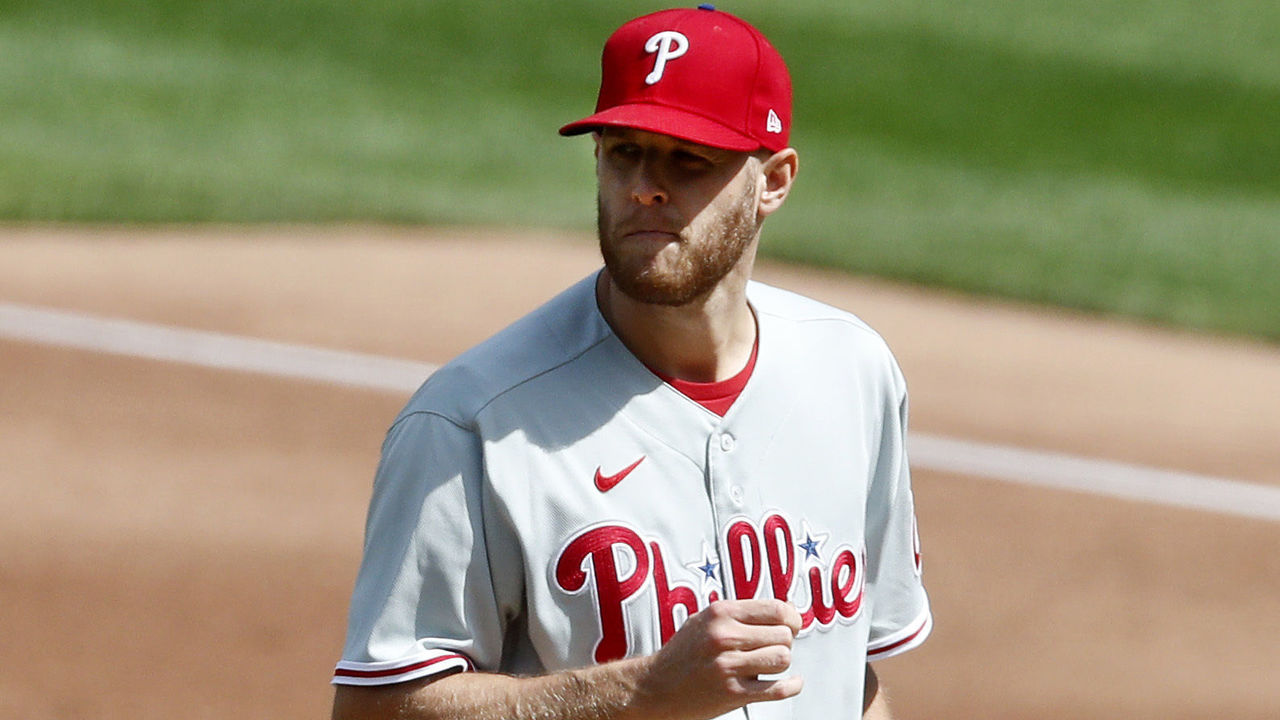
700	263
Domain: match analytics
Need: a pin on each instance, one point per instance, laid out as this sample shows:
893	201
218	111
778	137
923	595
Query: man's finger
769	660
768	690
751	637
764	612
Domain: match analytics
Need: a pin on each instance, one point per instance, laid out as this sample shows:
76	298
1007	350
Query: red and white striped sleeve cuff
903	640
432	662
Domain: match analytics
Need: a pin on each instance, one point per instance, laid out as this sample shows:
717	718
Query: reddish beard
700	265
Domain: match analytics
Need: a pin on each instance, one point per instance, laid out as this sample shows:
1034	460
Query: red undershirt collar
717	397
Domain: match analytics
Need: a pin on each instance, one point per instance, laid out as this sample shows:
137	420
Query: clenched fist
711	665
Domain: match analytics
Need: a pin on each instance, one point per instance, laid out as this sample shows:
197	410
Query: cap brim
666	121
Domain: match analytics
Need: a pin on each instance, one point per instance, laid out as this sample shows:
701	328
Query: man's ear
778	173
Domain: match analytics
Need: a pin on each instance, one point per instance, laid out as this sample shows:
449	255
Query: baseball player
670	492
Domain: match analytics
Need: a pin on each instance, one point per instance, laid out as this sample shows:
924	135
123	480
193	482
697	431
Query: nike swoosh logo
605	483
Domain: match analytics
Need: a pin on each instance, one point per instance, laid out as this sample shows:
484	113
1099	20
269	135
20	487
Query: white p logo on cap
669	45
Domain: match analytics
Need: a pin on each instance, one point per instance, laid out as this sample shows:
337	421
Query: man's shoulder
805	311
558	332
827	340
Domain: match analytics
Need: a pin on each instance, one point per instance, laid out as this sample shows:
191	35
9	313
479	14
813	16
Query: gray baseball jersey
546	502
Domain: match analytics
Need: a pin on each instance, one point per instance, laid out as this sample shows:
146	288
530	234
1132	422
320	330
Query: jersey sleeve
426	600
900	619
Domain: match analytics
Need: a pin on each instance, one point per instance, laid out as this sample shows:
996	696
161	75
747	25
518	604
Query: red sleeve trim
352	673
911	639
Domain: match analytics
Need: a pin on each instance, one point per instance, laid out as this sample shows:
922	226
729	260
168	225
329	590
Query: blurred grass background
1120	156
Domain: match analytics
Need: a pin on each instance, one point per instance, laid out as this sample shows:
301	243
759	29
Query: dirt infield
180	542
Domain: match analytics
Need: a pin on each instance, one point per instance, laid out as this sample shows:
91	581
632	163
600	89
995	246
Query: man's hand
710	666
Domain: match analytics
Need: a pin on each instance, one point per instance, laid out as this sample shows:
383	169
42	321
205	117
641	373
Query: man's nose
648	188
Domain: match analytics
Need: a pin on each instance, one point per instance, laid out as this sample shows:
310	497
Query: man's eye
625	150
692	160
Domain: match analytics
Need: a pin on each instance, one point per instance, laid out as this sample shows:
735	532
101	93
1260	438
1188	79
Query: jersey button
735	494
726	442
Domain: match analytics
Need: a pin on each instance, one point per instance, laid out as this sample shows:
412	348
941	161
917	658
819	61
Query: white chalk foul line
1009	464
1099	477
208	349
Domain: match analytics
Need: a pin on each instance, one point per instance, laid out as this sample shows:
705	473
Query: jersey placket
724	483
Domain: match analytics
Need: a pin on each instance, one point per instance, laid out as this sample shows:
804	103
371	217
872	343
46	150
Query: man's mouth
652	235
649	232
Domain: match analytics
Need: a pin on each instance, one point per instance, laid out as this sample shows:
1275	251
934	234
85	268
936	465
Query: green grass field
1120	156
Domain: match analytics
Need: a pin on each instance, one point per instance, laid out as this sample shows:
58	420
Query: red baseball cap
701	75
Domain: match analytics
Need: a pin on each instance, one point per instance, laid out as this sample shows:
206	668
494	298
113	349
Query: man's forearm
605	692
710	666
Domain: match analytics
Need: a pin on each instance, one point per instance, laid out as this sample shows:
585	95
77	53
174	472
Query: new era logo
774	123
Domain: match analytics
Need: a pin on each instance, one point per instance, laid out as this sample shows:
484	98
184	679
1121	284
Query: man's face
674	217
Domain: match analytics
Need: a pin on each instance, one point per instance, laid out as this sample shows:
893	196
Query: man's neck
707	340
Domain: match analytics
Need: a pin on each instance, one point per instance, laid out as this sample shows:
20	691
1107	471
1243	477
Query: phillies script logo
765	559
